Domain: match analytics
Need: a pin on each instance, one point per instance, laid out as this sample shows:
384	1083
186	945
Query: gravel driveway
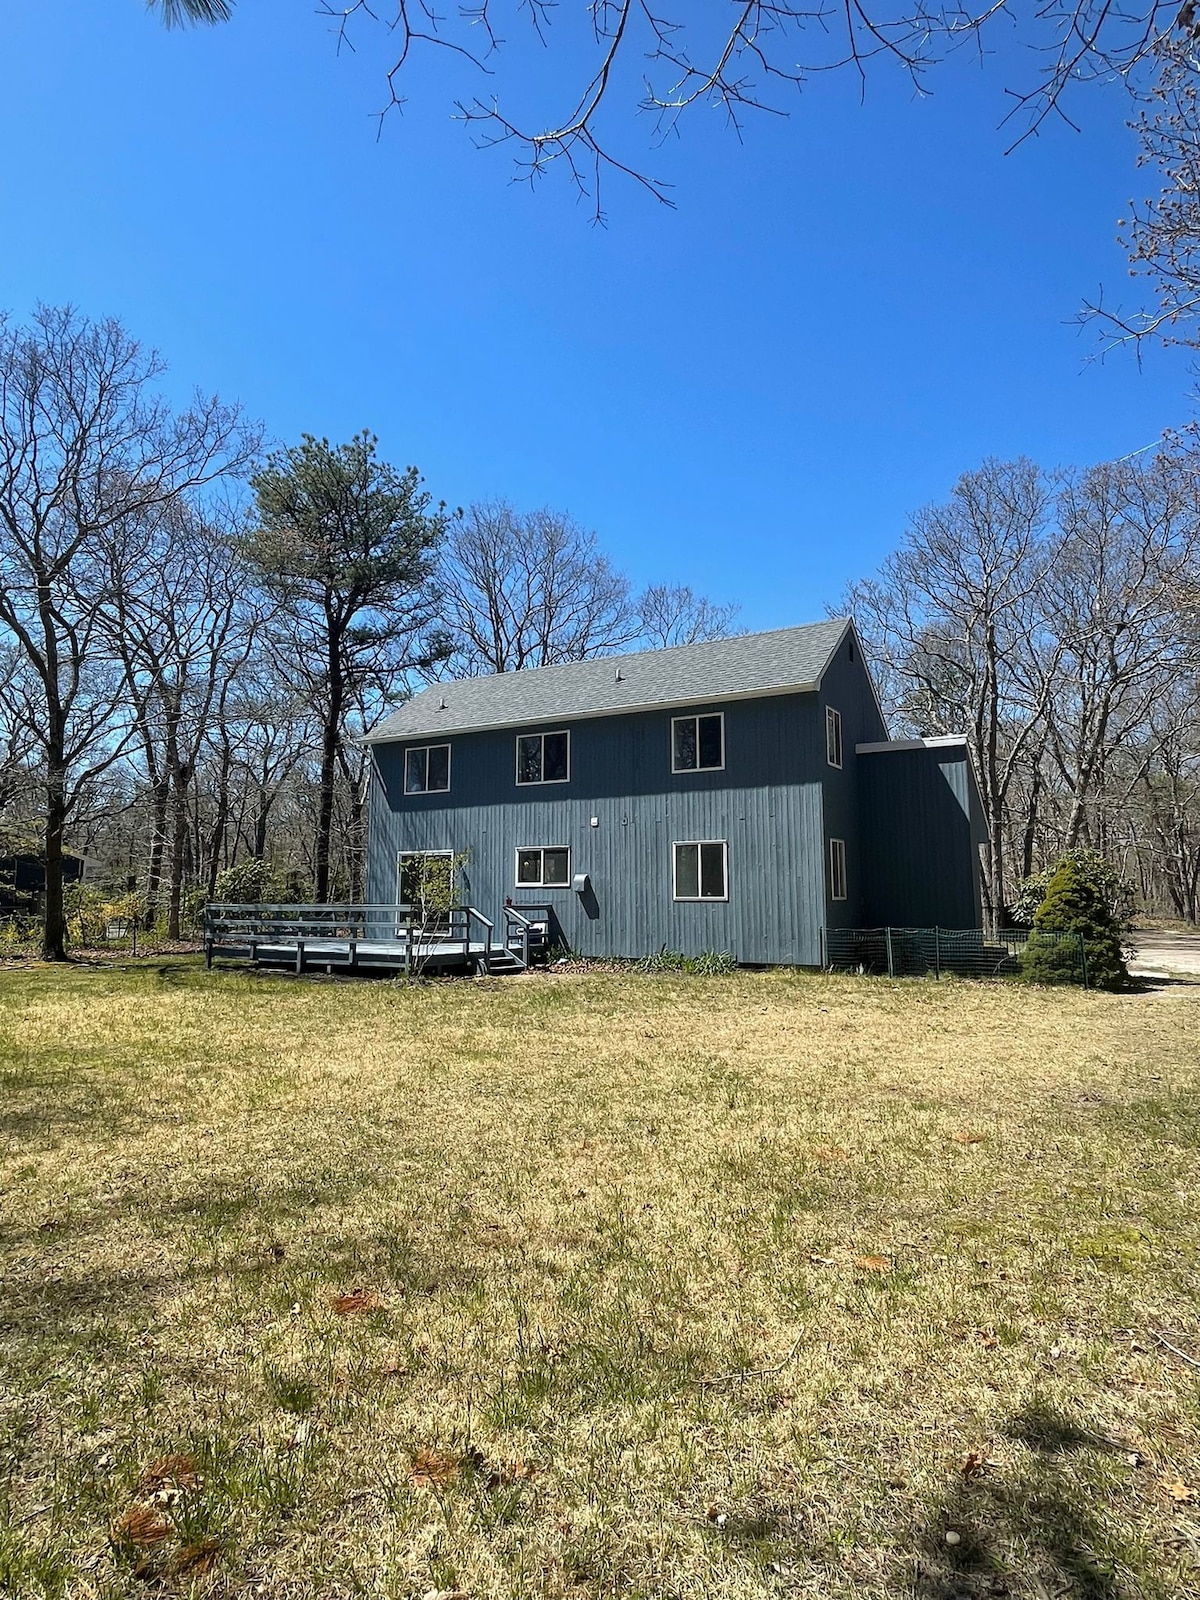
1160	950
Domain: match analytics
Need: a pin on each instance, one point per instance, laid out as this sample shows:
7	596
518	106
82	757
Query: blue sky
748	393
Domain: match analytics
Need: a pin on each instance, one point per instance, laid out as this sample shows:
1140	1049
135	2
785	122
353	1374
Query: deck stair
503	963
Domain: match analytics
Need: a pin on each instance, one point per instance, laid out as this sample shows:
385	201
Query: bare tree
671	614
1162	234
1166	812
953	619
529	590
182	620
84	445
623	57
1128	543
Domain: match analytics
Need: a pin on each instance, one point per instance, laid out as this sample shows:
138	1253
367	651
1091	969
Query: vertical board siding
766	804
847	688
920	839
908	819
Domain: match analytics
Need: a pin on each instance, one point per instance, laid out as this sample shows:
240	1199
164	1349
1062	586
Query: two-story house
739	795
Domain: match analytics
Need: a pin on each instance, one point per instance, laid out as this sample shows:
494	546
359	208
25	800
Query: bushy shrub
1075	917
1116	892
248	883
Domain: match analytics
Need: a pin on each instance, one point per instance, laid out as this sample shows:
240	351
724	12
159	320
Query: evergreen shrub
1075	911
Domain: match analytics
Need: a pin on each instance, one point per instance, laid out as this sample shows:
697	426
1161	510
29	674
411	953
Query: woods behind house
196	629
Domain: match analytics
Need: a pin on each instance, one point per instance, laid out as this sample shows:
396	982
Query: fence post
1083	959
887	934
937	952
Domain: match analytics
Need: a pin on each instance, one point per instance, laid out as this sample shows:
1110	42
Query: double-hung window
833	736
837	869
544	757
544	867
700	870
427	769
698	743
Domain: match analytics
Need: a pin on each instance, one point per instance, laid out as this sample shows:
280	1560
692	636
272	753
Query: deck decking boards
341	937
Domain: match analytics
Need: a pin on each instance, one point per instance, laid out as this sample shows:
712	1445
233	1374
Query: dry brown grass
590	1286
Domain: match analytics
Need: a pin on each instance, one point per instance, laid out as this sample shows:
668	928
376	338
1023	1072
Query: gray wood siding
847	689
920	833
766	804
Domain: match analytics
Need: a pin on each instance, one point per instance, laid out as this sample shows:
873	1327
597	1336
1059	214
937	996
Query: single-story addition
739	795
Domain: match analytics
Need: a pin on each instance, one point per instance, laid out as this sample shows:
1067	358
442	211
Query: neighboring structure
23	880
739	795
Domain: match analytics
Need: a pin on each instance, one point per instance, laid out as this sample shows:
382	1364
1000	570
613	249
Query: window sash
544	866
698	743
427	769
700	869
544	757
837	869
833	736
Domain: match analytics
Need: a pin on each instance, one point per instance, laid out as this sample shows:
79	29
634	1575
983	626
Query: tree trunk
330	734
160	796
54	930
216	839
1029	838
261	817
179	829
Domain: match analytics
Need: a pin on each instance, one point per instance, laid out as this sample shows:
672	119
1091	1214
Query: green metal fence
930	952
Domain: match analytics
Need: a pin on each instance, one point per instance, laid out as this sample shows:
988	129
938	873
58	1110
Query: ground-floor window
544	867
837	869
700	870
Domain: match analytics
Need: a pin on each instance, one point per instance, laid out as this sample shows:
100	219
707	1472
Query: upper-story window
544	757
833	736
698	743
427	769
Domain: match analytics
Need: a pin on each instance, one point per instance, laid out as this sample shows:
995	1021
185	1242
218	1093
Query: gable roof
687	674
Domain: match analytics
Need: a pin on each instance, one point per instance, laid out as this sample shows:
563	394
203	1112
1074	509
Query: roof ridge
772	661
632	655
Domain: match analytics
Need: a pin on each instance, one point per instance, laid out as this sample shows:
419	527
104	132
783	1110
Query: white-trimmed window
700	870
698	743
837	869
544	866
833	736
427	769
544	757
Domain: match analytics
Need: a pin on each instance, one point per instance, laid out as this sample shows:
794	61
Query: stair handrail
487	924
511	915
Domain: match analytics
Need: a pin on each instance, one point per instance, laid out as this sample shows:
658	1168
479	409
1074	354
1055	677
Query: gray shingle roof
755	663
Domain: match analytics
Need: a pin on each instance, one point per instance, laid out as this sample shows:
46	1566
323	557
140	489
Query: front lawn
741	1286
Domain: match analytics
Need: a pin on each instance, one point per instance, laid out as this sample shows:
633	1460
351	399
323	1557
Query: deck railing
311	930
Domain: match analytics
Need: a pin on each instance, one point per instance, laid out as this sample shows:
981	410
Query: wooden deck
346	938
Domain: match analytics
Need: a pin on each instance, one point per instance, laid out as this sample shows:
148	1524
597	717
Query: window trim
699	899
833	725
533	783
837	860
414	749
687	772
402	905
525	849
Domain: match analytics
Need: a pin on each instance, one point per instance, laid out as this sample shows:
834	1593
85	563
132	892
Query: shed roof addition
687	674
